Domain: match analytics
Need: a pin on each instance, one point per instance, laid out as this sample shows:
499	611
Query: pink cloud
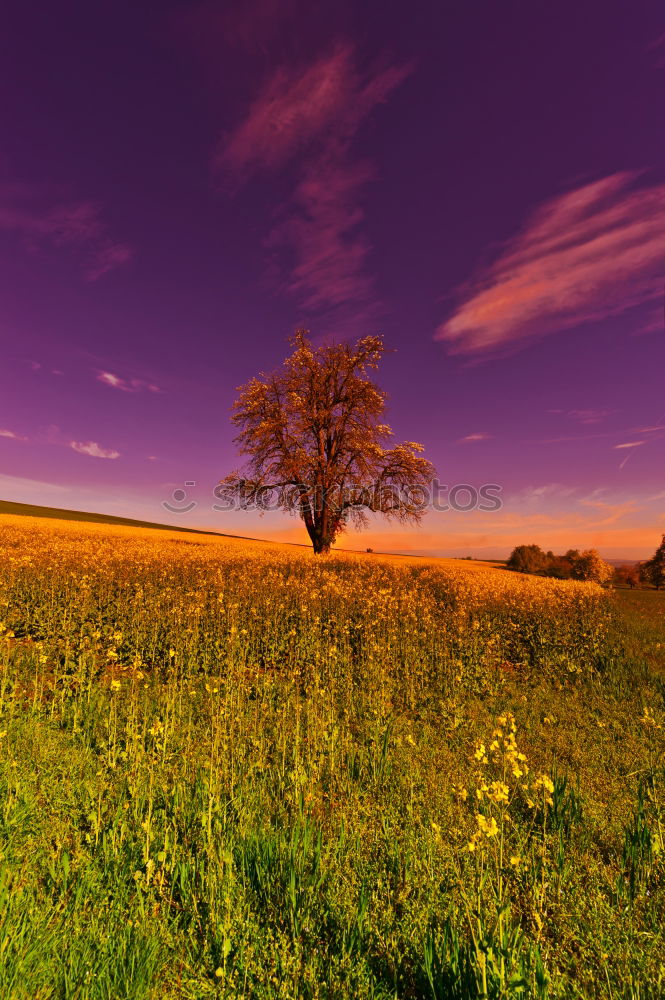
92	449
584	416
589	416
327	100
107	258
4	433
308	116
323	236
586	255
126	385
658	46
31	213
249	24
472	438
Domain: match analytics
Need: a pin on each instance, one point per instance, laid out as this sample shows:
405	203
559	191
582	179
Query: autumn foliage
316	444
653	570
573	565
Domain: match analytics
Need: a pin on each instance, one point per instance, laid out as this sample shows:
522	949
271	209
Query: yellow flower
487	826
499	792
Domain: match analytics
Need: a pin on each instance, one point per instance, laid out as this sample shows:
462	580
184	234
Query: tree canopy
653	570
574	565
316	444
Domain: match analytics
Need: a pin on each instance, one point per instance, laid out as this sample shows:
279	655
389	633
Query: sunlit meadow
234	769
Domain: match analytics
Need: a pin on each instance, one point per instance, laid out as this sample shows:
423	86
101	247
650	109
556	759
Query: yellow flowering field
235	769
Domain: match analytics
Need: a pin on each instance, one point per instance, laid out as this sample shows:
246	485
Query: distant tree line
588	565
574	565
650	572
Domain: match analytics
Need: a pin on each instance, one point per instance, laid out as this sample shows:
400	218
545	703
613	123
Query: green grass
230	781
644	610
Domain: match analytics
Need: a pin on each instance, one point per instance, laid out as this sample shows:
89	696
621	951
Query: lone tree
589	565
653	570
527	559
628	575
316	445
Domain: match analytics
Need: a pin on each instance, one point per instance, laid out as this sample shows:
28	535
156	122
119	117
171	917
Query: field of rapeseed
231	769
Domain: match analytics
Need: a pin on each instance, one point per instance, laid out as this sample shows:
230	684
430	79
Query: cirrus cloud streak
306	117
591	253
126	384
92	449
32	214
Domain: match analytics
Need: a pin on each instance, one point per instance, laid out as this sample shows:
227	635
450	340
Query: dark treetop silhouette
316	446
653	570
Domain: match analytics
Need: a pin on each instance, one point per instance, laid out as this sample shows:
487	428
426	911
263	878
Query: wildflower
499	792
545	782
487	826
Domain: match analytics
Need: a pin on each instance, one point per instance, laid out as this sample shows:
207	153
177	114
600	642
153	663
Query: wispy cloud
591	253
309	116
322	232
92	449
610	513
126	384
106	258
17	488
38	219
655	434
629	447
325	101
584	416
5	433
471	438
589	416
248	24
658	46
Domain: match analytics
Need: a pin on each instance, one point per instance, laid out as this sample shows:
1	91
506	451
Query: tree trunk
320	543
317	529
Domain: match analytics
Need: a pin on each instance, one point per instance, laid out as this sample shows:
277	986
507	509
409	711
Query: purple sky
182	184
